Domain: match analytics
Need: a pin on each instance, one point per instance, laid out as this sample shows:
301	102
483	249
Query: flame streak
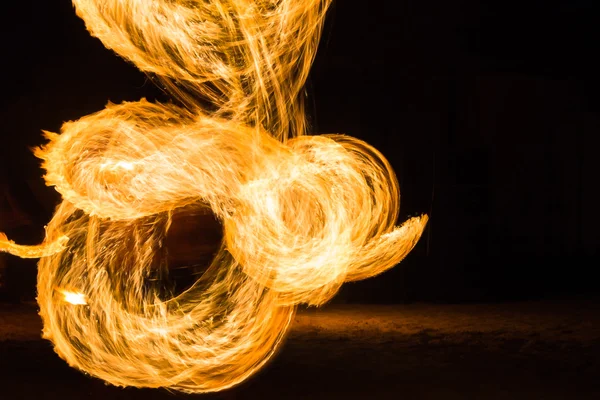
301	214
43	250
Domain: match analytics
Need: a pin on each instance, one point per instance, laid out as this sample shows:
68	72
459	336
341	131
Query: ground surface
533	350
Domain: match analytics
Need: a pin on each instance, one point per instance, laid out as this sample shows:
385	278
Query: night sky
488	111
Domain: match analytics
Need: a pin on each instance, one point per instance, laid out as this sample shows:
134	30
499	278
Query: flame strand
38	251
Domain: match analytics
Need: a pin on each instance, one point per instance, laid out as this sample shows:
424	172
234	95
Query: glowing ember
301	214
77	299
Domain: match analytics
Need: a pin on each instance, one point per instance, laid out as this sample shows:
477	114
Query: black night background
489	113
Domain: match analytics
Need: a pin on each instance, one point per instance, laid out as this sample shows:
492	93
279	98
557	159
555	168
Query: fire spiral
301	214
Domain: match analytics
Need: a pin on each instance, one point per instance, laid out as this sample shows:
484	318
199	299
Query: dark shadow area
193	238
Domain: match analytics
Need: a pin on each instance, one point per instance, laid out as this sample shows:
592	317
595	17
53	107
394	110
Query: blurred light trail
301	214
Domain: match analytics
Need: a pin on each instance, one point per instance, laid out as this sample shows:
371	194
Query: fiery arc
301	214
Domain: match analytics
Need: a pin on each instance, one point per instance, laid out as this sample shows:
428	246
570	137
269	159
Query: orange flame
301	214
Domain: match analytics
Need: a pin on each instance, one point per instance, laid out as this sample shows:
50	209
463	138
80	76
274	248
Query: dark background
487	110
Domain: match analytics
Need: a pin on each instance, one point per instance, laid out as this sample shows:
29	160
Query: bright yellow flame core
74	298
301	214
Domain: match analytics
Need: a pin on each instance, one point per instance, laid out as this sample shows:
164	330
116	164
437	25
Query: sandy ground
532	350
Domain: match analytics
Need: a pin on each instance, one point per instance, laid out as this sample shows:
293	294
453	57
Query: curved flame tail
36	251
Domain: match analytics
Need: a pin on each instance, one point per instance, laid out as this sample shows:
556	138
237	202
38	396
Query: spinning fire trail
301	214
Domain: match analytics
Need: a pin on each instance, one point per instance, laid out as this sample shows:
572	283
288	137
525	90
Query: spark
301	214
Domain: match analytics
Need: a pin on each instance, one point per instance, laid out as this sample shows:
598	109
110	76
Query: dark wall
487	110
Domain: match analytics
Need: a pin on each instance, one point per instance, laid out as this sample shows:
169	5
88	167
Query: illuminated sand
301	214
531	350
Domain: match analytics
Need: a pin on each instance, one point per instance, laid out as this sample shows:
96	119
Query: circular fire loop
301	214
